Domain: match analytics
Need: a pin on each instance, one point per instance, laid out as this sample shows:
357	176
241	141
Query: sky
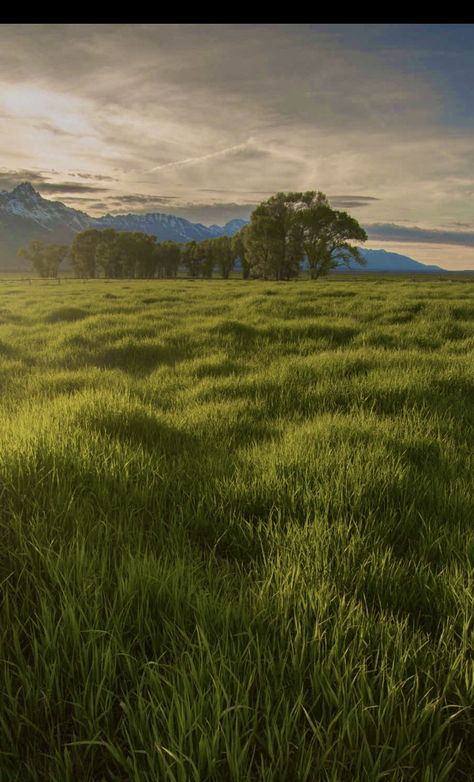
206	121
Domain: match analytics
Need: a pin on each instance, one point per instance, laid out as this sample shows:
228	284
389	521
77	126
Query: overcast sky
207	121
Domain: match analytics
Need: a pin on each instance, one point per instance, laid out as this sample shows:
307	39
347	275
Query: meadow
236	523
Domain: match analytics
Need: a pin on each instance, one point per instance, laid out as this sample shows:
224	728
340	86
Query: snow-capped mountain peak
26	189
24	202
26	215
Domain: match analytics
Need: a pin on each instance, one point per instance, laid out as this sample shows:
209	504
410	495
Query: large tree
224	255
168	255
272	239
108	254
54	255
191	258
205	253
44	258
142	247
129	254
239	250
327	234
289	226
83	250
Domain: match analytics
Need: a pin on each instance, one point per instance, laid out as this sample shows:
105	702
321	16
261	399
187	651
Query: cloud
233	191
70	188
143	199
400	233
97	206
457	224
10	179
83	175
235	113
351	201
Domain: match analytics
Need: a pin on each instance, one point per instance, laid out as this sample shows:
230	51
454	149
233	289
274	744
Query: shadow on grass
406	314
223	369
140	358
10	317
66	315
418	513
7	350
239	336
138	427
337	294
141	470
462	313
409	591
448	398
333	335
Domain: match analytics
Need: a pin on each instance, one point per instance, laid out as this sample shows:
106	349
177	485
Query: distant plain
237	530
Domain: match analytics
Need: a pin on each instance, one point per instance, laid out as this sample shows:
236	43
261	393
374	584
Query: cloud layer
205	121
398	233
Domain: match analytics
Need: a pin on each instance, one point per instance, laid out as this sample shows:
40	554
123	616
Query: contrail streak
190	160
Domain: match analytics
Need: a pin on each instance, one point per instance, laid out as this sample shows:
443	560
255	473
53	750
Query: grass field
237	538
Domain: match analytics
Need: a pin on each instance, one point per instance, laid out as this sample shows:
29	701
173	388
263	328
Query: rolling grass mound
237	531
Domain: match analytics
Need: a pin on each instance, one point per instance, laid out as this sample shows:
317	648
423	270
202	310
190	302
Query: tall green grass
237	531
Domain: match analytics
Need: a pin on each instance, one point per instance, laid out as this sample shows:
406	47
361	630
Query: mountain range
26	215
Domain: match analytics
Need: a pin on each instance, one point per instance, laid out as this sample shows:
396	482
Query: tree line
283	231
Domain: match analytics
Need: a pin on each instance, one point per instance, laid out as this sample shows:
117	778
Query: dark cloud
10	179
81	200
143	199
69	187
254	192
115	203
99	177
41	180
351	201
337	201
102	206
461	225
391	232
343	203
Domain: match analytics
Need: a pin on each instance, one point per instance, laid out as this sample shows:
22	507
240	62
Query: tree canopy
289	227
44	258
283	231
130	254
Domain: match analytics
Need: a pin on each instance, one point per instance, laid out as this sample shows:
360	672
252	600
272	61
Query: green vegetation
45	259
131	254
283	232
237	531
292	226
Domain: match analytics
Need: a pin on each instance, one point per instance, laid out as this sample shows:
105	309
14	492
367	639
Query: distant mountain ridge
167	227
383	261
26	215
